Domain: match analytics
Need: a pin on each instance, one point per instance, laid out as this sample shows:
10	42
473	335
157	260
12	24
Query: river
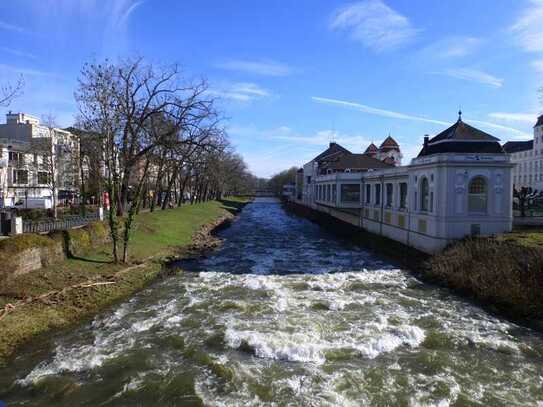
284	314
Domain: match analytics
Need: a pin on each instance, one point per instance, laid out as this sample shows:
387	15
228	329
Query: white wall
448	217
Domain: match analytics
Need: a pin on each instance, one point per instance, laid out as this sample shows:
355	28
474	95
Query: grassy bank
505	272
79	287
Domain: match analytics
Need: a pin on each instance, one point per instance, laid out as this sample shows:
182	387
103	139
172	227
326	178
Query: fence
67	222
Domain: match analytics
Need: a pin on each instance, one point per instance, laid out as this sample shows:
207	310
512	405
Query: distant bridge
264	193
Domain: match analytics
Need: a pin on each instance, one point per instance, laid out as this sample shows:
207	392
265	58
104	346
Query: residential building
528	157
35	161
459	184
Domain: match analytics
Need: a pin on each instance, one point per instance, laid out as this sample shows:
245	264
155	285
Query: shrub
500	272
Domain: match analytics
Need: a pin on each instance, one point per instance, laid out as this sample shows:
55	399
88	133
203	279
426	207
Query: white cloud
376	111
18	53
374	24
11	27
528	28
538	66
240	91
452	47
24	71
319	138
125	15
507	131
473	75
260	67
528	118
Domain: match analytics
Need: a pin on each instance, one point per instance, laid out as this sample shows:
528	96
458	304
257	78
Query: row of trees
149	137
276	182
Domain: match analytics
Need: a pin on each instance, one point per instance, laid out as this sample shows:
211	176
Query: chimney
426	138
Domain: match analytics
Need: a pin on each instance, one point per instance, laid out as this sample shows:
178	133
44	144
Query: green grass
156	236
529	237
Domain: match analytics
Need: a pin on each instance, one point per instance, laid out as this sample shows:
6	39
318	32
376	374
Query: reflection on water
284	314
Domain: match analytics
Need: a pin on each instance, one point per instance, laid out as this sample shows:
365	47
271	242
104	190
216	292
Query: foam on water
284	314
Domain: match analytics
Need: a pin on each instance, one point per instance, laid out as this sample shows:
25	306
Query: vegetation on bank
67	292
505	272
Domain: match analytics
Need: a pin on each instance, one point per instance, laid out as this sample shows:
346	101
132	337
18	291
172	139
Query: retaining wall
28	252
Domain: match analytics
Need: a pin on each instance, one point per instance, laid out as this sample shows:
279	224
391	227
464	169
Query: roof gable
372	148
461	131
389	142
334	148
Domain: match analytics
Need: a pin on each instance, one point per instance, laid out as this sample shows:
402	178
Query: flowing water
284	314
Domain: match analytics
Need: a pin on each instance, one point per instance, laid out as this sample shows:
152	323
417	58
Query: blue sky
293	75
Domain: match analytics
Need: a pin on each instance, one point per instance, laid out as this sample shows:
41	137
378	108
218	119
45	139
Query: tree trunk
134	207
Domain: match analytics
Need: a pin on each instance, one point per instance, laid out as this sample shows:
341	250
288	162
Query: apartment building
38	163
528	157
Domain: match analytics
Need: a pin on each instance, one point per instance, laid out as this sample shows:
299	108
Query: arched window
424	195
477	195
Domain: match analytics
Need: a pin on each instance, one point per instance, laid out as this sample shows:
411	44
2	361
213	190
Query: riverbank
78	288
504	273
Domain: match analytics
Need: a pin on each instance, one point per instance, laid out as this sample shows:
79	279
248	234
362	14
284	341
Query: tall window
20	177
377	194
424	194
388	195
403	195
43	177
368	193
477	195
350	193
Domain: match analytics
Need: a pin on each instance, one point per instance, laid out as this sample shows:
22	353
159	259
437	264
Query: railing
67	222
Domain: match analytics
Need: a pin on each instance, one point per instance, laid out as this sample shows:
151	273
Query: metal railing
50	224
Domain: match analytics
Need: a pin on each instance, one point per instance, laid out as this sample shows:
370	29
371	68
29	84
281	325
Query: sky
291	76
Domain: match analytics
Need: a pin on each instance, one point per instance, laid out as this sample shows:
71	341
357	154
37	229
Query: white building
460	184
528	155
30	155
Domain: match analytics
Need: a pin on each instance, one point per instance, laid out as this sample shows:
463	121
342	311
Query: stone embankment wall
24	253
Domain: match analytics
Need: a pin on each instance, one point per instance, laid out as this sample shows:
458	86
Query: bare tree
8	92
141	112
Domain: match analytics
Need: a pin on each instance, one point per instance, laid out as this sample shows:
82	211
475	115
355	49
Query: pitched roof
389	142
355	161
517	146
539	121
372	148
334	148
462	132
471	147
462	138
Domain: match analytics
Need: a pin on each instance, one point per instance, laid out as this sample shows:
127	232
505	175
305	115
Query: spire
459	115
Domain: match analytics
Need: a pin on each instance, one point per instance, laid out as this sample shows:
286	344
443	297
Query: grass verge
66	292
